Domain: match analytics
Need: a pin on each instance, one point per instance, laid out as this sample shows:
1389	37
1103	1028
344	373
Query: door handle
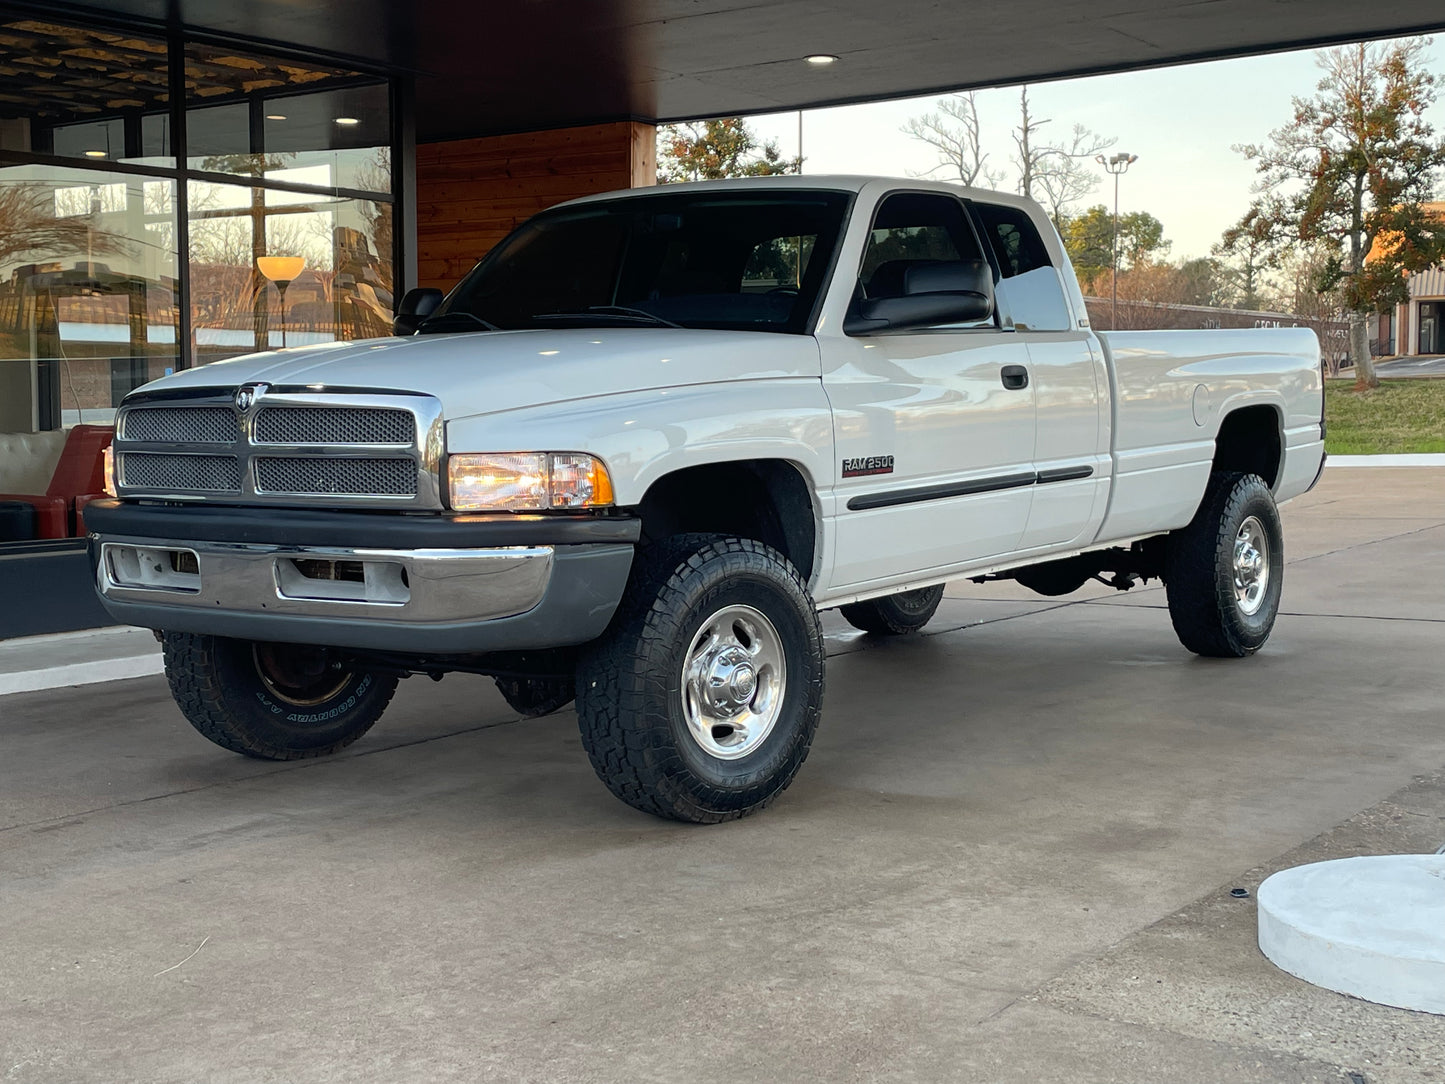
1015	377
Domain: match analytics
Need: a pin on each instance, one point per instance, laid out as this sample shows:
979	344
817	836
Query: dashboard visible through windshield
724	260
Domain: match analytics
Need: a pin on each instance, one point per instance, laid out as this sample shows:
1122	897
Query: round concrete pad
1372	927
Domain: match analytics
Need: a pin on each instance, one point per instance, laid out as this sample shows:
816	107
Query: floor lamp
281	270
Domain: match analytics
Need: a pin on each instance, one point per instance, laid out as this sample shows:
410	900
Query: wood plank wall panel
470	193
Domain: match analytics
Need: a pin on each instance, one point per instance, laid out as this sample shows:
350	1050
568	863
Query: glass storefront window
263	117
344	291
88	311
94	299
77	92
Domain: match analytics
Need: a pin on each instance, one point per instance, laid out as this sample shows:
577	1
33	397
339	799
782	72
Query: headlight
527	482
107	458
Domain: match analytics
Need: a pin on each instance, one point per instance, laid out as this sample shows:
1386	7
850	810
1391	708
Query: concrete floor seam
1292	613
1362	545
281	769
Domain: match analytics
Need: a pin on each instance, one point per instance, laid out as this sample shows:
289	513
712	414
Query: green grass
1406	415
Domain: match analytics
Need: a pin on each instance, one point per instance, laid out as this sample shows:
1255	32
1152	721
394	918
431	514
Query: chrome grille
323	425
181	425
206	473
312	474
293	445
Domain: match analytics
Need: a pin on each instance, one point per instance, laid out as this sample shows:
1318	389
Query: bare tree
1057	174
953	131
1305	270
35	218
1027	152
1062	174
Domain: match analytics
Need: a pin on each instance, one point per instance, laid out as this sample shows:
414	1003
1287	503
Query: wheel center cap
731	681
744	682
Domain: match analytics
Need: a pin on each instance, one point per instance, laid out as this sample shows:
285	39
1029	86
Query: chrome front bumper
431	586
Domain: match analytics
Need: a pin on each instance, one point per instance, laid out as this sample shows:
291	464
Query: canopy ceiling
524	64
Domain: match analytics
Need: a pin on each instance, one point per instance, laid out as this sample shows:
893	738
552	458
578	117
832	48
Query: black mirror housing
416	306
934	292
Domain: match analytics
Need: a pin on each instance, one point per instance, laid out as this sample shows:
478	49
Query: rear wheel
700	701
536	696
272	701
1224	572
893	615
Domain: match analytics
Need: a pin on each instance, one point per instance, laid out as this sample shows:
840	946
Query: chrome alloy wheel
733	678
1251	566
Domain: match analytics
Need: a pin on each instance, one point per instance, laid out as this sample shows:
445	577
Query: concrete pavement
1415	365
1007	859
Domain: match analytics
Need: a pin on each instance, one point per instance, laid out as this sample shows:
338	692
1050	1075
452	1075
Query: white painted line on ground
1421	459
81	673
69	637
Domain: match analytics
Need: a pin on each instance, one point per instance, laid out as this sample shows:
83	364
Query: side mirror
934	292
416	306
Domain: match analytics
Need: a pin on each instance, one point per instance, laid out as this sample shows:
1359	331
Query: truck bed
1172	384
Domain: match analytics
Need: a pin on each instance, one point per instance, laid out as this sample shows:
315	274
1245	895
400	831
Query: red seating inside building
78	479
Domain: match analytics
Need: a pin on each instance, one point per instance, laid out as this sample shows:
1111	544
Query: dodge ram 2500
632	455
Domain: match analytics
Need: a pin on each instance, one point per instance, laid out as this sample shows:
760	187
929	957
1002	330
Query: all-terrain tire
1212	569
894	615
637	692
272	701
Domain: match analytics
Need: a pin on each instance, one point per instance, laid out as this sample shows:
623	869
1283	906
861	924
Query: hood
489	371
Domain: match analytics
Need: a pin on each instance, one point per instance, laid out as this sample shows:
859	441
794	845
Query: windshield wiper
436	323
616	312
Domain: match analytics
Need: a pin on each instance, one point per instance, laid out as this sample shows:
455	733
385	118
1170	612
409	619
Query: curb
85	657
1419	459
81	673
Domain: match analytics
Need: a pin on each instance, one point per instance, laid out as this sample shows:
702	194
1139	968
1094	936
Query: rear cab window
1029	291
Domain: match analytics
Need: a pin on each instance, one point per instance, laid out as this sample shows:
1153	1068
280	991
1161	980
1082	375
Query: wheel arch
770	500
1250	440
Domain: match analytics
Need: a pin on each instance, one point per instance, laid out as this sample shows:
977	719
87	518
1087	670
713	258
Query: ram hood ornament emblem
247	394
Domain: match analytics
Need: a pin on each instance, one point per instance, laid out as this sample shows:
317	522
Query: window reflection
87	313
264	117
90	284
84	93
344	291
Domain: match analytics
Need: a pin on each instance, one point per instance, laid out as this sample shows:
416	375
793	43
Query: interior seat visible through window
913	229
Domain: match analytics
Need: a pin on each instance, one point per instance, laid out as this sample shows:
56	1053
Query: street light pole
1115	164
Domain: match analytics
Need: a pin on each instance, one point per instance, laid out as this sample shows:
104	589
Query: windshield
731	261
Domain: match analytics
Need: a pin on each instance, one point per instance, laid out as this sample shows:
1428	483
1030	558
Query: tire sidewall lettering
311	718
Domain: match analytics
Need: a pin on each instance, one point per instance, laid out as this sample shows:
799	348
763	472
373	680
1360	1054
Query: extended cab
639	447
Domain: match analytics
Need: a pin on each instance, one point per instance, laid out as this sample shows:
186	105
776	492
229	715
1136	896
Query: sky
1180	121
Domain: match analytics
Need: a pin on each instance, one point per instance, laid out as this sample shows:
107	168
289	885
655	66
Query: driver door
934	426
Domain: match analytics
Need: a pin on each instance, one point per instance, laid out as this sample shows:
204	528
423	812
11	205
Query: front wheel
700	701
1223	573
272	701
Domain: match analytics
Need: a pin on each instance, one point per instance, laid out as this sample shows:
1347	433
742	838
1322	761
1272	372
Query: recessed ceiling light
95	154
275	116
347	121
821	59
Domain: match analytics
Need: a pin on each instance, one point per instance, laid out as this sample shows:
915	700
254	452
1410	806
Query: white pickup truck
645	441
